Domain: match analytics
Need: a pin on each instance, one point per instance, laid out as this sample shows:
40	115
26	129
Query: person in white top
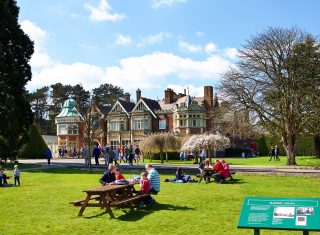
16	174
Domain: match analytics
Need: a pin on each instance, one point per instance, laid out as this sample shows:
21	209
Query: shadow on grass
234	181
140	213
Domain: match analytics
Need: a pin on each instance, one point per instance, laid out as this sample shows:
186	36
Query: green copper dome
69	109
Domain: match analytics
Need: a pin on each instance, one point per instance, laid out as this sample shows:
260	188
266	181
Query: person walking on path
86	155
48	156
111	155
106	154
137	154
276	153
16	174
96	153
272	154
131	155
115	156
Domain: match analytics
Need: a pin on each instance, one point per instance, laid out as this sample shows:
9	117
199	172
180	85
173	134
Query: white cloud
184	46
153	39
157	4
40	57
210	47
231	53
154	70
103	12
122	39
88	75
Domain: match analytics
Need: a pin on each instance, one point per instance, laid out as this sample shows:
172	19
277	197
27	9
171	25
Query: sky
149	44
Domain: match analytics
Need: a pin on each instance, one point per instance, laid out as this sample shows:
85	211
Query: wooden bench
128	200
201	176
79	202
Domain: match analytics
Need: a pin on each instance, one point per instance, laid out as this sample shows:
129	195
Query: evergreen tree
36	146
107	93
16	50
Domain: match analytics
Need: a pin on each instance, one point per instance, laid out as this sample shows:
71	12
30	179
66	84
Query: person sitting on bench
226	171
154	178
218	169
109	176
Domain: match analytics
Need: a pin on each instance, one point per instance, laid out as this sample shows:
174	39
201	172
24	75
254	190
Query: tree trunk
161	155
317	145
196	157
289	143
167	157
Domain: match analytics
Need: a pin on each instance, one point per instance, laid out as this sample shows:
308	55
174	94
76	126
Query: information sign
280	213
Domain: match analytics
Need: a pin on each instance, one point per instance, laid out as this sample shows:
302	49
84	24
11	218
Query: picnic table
109	196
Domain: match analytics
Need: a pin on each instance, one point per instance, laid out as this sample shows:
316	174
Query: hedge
174	155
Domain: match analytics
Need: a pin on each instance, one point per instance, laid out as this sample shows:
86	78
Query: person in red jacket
218	169
226	171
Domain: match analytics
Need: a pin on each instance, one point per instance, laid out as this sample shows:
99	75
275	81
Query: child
144	189
119	176
16	174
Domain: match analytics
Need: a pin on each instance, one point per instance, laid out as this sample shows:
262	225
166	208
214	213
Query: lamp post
89	131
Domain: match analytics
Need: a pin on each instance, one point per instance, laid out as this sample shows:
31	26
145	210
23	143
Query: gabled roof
105	109
127	105
151	105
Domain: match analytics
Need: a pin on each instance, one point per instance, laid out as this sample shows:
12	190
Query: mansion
128	121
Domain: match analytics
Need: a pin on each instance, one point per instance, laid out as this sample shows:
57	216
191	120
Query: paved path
41	164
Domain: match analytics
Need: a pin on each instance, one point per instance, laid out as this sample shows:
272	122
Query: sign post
280	214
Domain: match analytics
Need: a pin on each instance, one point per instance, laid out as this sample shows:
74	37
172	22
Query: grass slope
40	205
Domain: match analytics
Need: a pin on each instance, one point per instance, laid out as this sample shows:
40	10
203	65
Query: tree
39	104
36	146
82	97
107	93
16	50
306	57
268	85
207	141
160	142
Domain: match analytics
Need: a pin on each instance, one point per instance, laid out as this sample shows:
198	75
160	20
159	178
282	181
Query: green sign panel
280	213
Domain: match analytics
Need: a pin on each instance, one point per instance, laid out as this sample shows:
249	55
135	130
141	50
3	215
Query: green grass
40	205
261	161
9	166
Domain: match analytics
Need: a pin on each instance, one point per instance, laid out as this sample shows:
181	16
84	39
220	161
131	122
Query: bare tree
160	142
265	83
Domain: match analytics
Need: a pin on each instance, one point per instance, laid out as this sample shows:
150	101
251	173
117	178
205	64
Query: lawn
259	161
40	205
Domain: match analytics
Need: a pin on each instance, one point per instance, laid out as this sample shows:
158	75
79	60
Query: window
68	129
162	124
140	124
117	125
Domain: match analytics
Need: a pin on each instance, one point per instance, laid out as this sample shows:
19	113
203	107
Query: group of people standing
113	154
4	176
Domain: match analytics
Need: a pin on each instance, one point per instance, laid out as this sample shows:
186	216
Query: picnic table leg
84	205
107	206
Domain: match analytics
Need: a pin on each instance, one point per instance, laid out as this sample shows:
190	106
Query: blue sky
149	44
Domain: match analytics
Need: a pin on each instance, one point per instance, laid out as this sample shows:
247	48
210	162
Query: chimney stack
168	96
138	94
208	96
126	96
184	91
